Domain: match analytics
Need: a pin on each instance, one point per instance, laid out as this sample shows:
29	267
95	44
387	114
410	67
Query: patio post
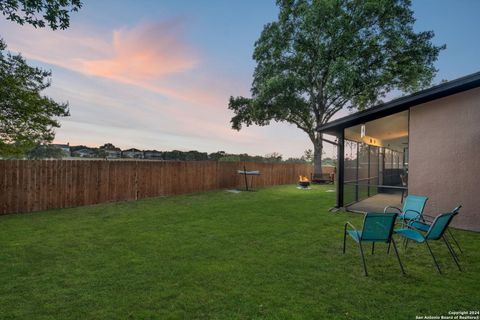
340	167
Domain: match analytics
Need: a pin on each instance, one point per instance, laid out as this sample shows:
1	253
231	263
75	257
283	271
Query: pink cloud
144	53
146	56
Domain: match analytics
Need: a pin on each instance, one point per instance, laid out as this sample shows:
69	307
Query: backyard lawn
271	254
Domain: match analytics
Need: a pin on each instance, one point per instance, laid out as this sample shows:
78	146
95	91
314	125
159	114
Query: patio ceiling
390	131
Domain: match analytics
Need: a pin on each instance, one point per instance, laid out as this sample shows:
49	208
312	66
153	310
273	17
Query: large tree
28	118
324	55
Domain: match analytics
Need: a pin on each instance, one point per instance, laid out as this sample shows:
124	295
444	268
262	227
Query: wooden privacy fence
34	185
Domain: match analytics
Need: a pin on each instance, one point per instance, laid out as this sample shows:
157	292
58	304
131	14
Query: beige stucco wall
444	160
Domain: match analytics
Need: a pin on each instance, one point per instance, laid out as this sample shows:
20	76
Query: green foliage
108	146
329	162
173	155
216	155
27	118
323	55
230	158
308	155
196	156
46	151
192	155
273	157
39	13
100	153
296	160
271	254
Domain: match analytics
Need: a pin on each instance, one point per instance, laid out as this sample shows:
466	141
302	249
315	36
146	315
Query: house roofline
442	90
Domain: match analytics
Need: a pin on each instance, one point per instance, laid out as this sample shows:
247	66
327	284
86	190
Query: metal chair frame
387	239
428	236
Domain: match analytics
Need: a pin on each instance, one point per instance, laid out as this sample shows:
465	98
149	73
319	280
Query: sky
158	74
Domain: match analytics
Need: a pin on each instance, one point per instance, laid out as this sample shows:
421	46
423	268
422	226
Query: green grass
271	254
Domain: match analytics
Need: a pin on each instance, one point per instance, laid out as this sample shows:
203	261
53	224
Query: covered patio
376	163
376	203
423	144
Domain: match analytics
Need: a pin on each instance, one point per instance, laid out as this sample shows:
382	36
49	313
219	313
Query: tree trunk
317	156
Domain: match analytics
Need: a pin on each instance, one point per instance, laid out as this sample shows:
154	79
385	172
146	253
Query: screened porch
376	163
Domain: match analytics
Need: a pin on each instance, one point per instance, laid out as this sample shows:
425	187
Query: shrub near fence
34	185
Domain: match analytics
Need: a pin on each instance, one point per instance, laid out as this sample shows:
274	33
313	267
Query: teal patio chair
426	221
413	207
377	227
436	231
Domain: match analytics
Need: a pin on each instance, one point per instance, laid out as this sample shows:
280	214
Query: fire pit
303	182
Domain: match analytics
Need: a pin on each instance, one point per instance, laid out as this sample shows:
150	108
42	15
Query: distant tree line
109	151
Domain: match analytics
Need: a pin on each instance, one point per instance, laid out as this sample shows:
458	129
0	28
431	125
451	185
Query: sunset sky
158	74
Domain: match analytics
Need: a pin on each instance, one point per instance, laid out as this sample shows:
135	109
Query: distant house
83	153
65	148
132	153
152	154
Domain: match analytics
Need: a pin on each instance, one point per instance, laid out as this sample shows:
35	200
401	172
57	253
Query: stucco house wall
444	156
